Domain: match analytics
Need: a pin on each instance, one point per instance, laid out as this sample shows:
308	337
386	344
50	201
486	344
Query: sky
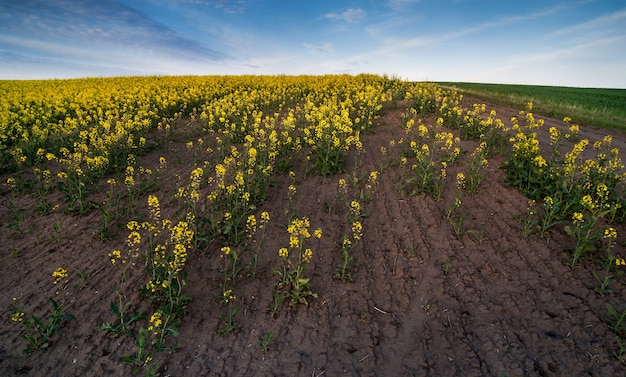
539	42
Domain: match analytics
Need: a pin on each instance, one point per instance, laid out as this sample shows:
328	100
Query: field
318	225
605	108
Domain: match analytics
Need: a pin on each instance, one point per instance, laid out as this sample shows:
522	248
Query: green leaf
611	310
115	309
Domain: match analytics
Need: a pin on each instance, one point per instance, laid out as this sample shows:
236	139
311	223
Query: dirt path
491	303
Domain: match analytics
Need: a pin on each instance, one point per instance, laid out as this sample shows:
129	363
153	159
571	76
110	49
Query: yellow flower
342	185
225	250
587	202
307	255
357	230
11	183
610	233
577	218
220	170
317	233
59	274
134	238
132	225
555	134
18	316
620	262
283	252
539	161
114	255
355	206
155	319
265	216
294	241
460	180
228	295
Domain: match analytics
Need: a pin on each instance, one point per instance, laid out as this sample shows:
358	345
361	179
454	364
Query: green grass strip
604	108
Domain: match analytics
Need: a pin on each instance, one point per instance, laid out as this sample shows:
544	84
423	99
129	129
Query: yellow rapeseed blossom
265	216
155	322
294	241
539	161
587	202
228	295
59	274
355	206
307	255
610	233
460	180
577	218
18	316
555	136
251	225
134	238
317	233
115	255
357	230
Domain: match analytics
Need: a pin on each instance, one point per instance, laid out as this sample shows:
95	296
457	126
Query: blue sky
571	43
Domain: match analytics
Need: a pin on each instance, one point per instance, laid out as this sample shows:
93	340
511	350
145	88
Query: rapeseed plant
122	261
455	213
349	241
39	332
293	283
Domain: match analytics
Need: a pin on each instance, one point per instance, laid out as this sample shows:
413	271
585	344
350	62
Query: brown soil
422	302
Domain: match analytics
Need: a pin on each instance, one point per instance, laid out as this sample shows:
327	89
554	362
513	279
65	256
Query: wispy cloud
327	48
227	6
579	51
351	16
107	24
397	45
616	19
400	5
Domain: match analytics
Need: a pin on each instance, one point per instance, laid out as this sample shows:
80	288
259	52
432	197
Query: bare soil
422	302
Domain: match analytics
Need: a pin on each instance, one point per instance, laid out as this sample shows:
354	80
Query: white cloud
94	25
399	5
351	16
602	22
327	48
